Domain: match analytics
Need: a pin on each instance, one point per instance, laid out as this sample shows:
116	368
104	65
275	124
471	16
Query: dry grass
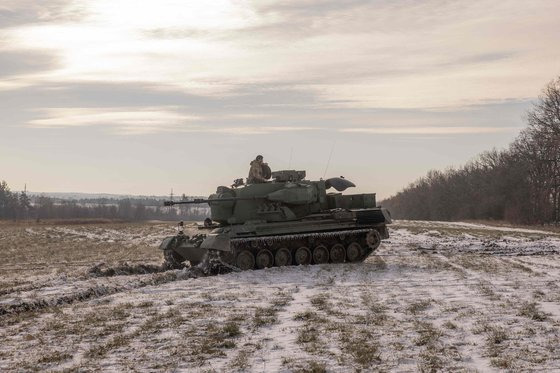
264	316
410	312
231	329
427	334
241	361
362	346
430	361
49	247
481	263
102	349
420	306
532	311
308	334
320	302
306	316
310	366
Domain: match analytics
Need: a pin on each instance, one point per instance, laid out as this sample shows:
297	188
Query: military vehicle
285	221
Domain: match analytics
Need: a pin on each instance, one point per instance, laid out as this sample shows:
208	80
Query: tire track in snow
95	271
81	291
280	339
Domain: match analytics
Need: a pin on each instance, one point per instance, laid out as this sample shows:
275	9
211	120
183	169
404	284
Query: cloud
137	108
175	33
131	121
154	120
250	64
147	119
26	62
309	8
208	80
242	99
434	130
355	54
22	12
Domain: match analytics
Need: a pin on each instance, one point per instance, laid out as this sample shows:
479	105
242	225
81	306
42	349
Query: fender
168	243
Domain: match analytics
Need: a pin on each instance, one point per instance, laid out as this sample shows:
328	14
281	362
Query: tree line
20	206
519	184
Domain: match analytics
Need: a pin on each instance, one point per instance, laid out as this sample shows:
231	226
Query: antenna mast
329	161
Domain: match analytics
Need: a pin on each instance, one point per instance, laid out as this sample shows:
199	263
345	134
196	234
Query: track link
304	248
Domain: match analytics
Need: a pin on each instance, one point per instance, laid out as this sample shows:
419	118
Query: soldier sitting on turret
256	172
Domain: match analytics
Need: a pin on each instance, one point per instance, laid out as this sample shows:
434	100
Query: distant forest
20	206
520	184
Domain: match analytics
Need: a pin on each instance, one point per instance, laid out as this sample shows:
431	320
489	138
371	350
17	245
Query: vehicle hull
315	239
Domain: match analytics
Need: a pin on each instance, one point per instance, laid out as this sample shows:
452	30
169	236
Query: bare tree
519	184
540	143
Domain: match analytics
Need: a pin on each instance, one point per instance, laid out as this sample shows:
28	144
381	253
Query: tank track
352	245
215	264
349	245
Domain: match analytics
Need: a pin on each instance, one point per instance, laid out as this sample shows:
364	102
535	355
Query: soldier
256	174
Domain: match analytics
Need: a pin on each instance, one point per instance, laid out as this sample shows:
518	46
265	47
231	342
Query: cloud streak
440	130
128	121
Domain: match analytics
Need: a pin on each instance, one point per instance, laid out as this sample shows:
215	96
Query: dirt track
436	296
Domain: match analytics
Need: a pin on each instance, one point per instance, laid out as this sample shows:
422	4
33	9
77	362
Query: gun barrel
194	201
201	200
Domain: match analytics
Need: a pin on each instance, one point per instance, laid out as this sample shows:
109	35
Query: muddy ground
436	296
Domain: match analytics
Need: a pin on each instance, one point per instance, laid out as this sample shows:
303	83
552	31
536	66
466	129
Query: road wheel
338	254
320	255
283	257
373	239
245	260
265	259
354	252
302	256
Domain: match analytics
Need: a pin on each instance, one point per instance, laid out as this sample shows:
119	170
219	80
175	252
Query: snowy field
436	296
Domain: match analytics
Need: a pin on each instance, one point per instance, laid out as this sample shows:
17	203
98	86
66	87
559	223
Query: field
436	296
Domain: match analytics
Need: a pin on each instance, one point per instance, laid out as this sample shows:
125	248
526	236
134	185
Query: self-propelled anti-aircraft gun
286	221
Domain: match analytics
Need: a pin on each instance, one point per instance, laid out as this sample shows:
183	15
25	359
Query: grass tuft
427	334
231	329
264	316
420	306
307	334
531	311
320	302
361	346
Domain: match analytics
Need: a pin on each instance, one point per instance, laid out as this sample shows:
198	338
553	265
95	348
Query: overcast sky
138	97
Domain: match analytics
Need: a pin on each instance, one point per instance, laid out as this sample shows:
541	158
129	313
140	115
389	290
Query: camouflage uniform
256	172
